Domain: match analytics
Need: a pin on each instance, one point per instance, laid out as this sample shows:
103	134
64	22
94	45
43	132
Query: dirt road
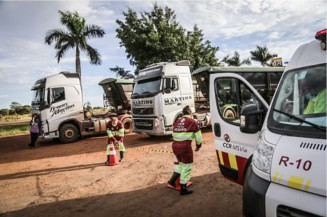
71	180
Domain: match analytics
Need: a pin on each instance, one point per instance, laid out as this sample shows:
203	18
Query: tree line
16	109
148	38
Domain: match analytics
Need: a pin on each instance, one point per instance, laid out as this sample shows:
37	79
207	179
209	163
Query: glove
198	147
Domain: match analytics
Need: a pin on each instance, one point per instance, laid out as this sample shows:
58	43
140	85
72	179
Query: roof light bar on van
321	36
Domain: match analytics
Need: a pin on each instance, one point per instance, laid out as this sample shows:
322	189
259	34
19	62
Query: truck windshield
38	95
301	100
147	86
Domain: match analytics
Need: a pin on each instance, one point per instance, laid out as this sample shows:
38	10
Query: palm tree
262	55
235	60
121	72
76	37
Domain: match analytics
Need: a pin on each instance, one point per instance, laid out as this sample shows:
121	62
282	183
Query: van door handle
216	129
179	103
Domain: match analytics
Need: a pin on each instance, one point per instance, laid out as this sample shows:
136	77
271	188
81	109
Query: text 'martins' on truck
279	151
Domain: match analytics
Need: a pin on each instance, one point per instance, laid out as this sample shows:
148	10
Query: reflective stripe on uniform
110	135
177	168
186	170
119	132
198	137
121	146
182	136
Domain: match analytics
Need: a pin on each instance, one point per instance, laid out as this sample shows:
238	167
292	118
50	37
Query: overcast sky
232	25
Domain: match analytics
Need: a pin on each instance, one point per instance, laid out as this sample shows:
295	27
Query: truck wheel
128	125
68	133
229	114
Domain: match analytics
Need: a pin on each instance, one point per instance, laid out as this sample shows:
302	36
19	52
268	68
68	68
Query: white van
286	142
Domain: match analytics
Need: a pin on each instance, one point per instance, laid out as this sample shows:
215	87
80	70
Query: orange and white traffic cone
111	152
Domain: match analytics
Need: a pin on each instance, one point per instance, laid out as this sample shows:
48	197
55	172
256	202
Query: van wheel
68	133
229	114
128	125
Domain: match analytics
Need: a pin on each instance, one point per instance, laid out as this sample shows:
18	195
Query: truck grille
143	124
143	111
285	211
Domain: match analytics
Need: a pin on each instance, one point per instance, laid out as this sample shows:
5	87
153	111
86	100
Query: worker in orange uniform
115	130
184	130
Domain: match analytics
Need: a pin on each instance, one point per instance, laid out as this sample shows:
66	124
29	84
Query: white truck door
229	93
172	102
187	91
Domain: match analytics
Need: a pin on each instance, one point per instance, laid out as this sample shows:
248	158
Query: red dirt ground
71	180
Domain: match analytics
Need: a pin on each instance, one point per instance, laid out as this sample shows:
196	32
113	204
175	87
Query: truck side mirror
251	119
48	101
168	85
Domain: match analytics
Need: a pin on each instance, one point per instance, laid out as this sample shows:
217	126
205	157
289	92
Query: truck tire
128	125
68	133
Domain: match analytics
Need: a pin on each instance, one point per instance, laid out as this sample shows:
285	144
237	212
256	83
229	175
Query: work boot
107	162
173	179
184	190
121	153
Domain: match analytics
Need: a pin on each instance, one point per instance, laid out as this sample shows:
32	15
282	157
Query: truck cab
278	151
161	91
58	101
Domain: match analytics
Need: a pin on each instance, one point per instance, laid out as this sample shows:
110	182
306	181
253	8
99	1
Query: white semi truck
57	99
161	91
279	151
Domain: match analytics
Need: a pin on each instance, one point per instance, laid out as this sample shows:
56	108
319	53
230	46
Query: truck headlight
262	157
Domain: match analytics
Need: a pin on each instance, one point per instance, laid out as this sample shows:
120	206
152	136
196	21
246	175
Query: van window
58	94
301	99
259	81
231	96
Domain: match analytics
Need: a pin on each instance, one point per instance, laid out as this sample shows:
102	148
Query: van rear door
229	93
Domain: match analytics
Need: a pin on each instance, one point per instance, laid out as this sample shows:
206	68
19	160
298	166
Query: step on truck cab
279	150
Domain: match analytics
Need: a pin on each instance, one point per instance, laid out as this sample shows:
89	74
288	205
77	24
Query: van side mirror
251	119
168	85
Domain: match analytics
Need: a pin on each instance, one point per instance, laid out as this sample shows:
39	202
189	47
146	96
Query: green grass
11	130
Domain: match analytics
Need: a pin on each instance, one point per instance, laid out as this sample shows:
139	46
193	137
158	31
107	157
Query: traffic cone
112	155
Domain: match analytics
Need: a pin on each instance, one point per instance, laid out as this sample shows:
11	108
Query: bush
22	110
12	112
4	112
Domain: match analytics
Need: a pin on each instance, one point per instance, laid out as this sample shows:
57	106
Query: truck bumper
263	198
254	193
285	201
150	126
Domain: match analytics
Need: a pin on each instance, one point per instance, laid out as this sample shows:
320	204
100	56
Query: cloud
232	25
